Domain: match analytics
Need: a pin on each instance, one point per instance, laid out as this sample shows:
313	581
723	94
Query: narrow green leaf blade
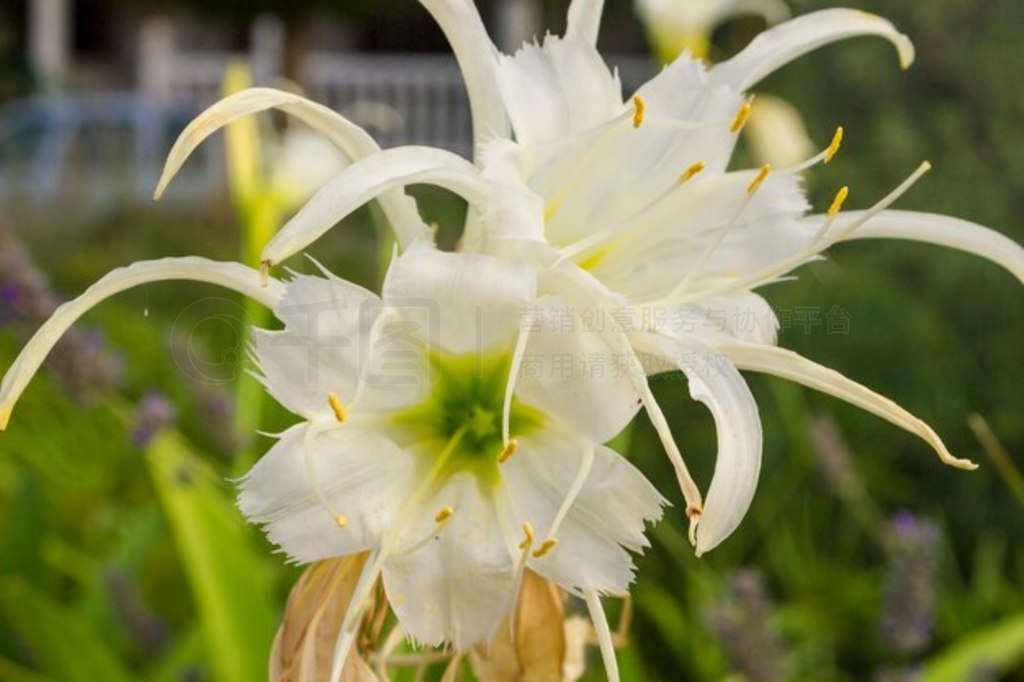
996	648
230	581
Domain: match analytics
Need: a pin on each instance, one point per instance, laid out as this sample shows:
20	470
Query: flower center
464	408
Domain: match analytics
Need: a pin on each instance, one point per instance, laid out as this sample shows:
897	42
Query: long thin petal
368	178
714	381
585	19
353	141
789	365
477	56
231	275
782	44
943	231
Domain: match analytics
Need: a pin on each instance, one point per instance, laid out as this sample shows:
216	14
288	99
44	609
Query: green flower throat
459	424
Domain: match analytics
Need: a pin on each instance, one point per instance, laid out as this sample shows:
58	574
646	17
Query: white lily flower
677	26
420	441
628	206
630	203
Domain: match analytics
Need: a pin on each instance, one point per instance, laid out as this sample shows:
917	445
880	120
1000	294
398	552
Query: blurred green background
863	558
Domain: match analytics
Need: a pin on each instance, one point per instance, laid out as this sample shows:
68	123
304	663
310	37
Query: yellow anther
837	203
445	514
265	273
341	520
528	531
741	118
510	449
688	174
545	547
833	148
339	409
638	111
761	175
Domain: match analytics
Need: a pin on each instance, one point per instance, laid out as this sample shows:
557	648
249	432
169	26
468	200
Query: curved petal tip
5	416
904	46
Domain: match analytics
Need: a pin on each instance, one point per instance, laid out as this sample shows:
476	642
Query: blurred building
111	83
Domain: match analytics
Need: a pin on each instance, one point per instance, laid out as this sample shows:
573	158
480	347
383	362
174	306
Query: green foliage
229	578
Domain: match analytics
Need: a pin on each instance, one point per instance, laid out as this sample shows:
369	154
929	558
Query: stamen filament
604	634
386	315
824	156
586	464
313	429
510	389
695	269
819	243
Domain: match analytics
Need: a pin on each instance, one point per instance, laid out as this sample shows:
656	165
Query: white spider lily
629	203
627	206
420	442
677	26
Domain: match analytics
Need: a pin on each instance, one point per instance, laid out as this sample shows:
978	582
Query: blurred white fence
110	146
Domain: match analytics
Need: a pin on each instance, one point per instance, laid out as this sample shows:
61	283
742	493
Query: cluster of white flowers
422	441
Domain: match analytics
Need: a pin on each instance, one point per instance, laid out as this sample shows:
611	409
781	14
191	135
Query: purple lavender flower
742	621
153	413
84	363
910	586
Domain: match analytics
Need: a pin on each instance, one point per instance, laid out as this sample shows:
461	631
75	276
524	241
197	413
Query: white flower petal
231	275
743	315
714	381
789	365
459	302
353	141
327	321
461	23
606	176
571	372
557	89
301	371
607	519
368	178
942	230
360	474
584	20
709	230
460	584
325	306
782	44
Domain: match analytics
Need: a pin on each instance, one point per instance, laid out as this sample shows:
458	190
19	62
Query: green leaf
230	580
62	643
997	647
